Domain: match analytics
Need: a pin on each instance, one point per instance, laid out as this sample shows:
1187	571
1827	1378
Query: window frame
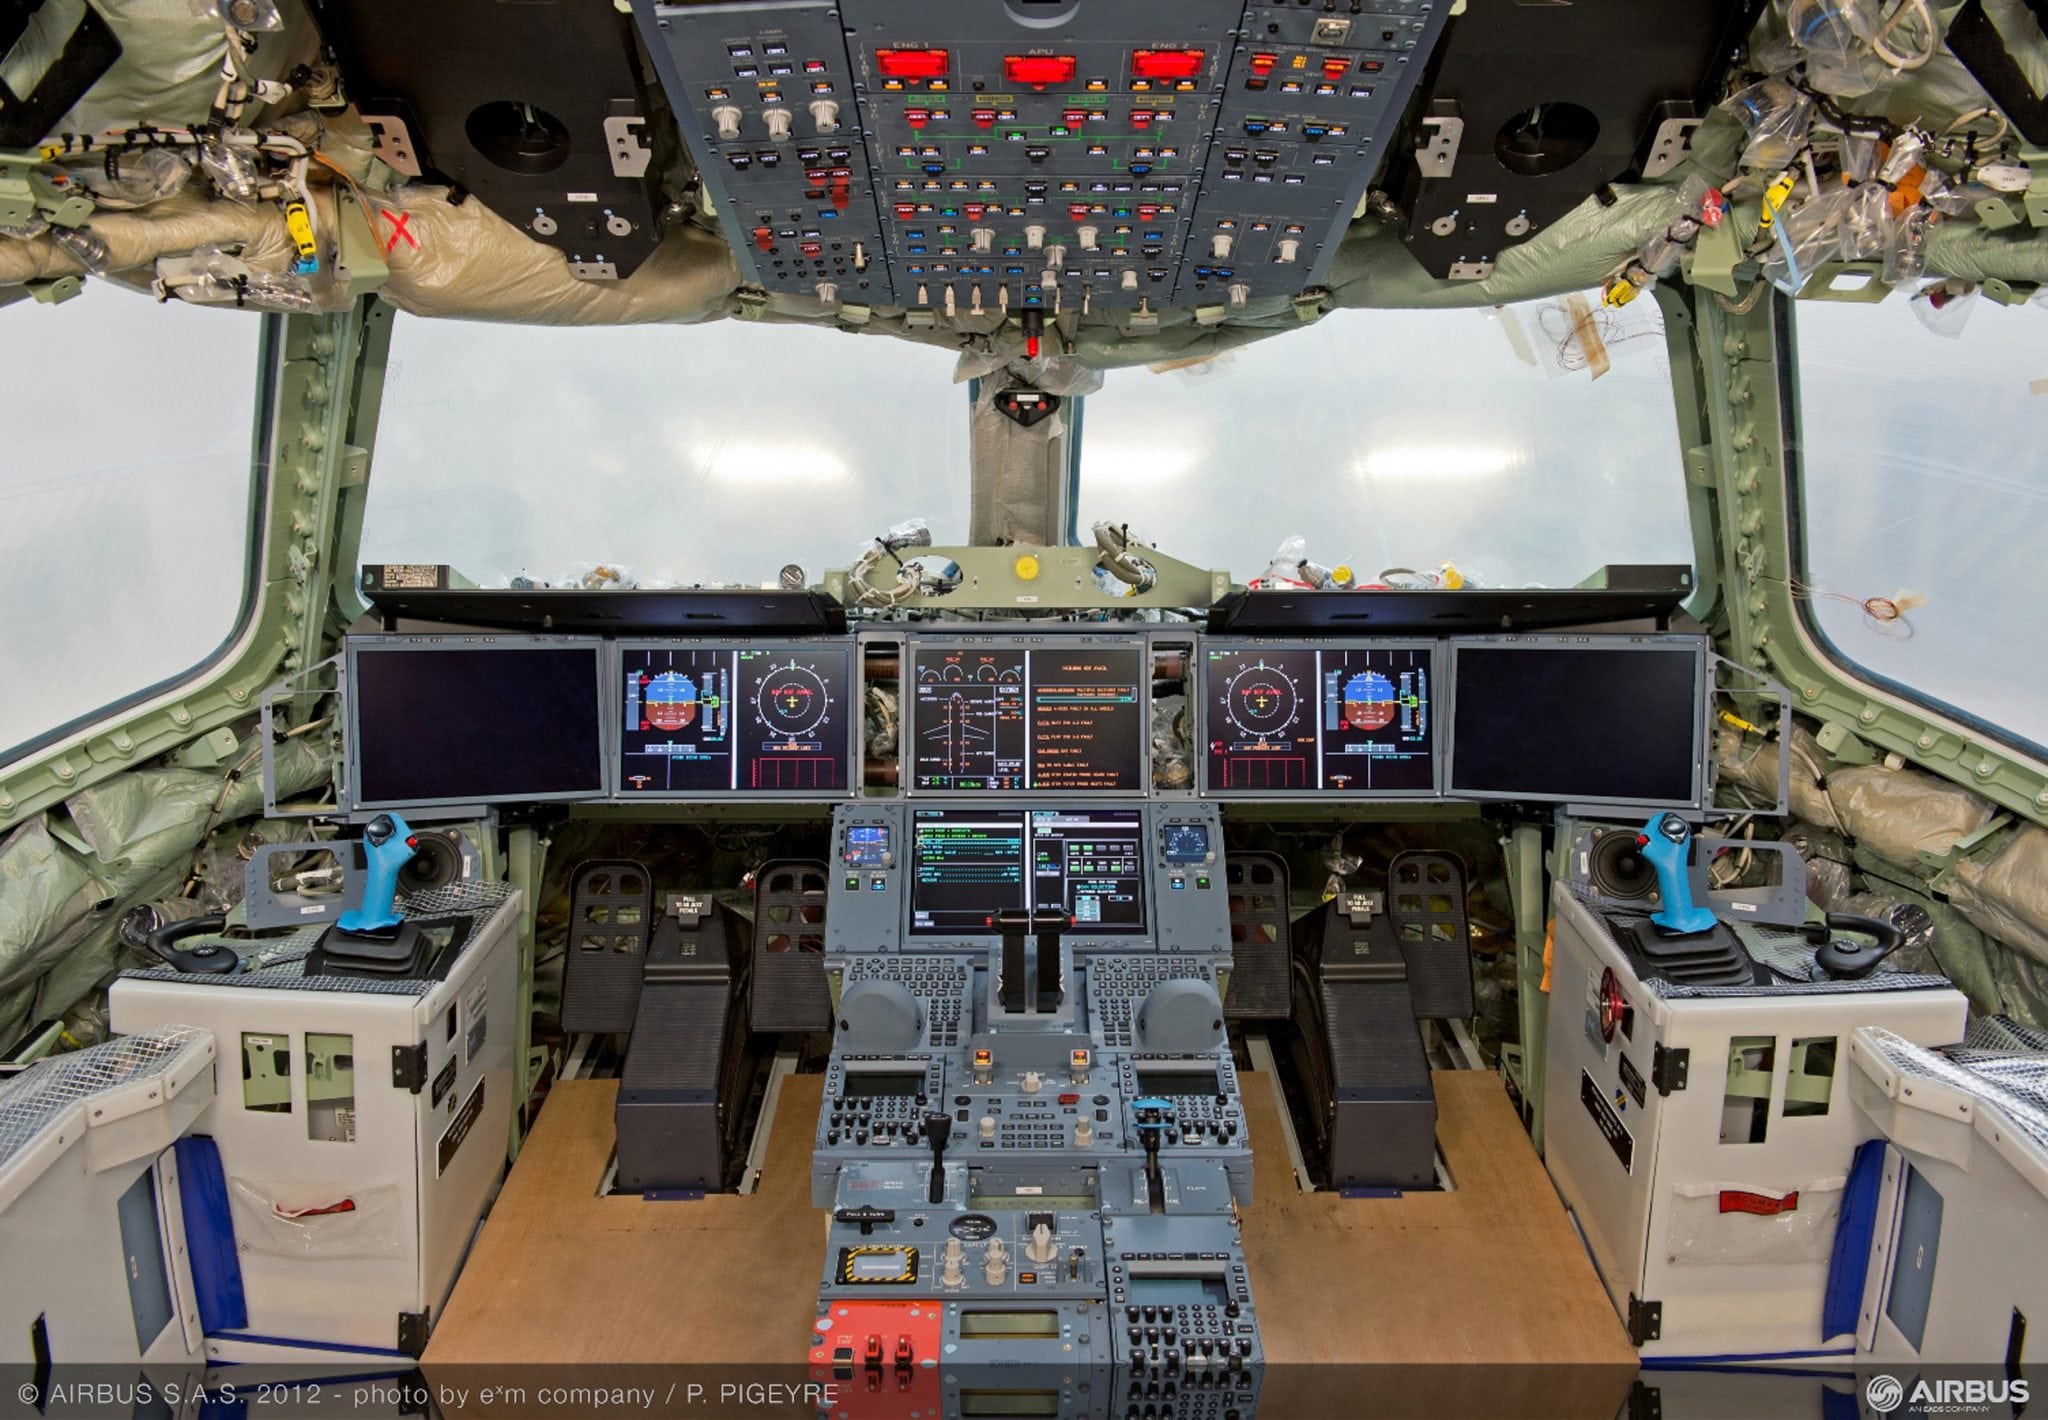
262	471
1792	439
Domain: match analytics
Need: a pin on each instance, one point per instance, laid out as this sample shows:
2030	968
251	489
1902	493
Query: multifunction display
969	864
1304	720
752	720
992	719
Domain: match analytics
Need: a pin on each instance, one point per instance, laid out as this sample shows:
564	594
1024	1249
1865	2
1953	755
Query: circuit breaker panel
1038	155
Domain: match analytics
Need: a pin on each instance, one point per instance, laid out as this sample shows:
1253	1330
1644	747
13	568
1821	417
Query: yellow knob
1026	568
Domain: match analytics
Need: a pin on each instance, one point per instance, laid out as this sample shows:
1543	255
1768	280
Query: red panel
1039	70
902	1336
1167	63
911	63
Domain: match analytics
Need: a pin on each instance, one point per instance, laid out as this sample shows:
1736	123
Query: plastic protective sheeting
466	262
60	906
174	226
49	903
2008	895
1899	815
1740	1224
317	1223
1019	490
167	74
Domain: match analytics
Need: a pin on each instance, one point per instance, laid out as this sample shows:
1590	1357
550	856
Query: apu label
1618	1138
458	1129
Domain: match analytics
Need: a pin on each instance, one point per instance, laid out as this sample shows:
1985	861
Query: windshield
672	455
1403	439
127	491
1922	509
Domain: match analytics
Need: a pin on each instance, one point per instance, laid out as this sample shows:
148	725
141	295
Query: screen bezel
514	643
1702	770
615	760
1439	740
919	648
1080	932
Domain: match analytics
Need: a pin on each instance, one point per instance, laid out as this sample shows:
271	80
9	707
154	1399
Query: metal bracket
308	684
409	1067
1437	142
1943	865
1645	1320
395	148
1671	140
1669	1070
625	138
413	1328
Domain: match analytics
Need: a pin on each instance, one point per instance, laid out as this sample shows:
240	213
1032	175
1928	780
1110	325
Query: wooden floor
1482	1295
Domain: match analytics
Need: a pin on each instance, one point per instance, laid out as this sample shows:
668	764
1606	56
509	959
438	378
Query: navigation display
997	718
1328	719
969	864
704	720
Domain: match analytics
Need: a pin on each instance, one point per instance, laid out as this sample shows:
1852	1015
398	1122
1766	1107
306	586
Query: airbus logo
1887	1393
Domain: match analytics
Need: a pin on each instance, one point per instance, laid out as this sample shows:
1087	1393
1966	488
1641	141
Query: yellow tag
300	225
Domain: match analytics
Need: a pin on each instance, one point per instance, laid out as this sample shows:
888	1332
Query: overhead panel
1047	156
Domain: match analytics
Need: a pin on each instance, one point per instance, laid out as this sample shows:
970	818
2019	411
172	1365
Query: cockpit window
1405	439
673	455
1923	512
127	491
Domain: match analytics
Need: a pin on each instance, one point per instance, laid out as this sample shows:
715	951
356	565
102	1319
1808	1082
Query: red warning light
1167	63
911	63
1039	70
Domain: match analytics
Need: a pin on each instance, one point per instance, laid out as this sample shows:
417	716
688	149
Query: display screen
475	724
867	845
1178	1291
969	864
989	719
1304	720
1576	723
749	720
1178	1082
875	1085
1185	843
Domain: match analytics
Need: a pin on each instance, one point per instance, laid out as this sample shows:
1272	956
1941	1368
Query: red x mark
398	229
